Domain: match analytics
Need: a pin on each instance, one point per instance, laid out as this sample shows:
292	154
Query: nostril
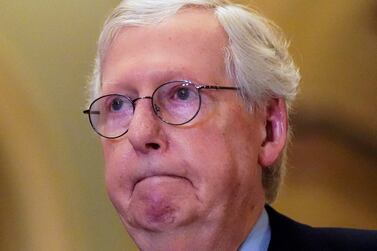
153	146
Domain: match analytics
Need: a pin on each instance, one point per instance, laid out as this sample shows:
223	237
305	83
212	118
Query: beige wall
52	191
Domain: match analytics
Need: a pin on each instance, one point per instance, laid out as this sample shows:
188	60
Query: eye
174	95
116	104
186	93
183	93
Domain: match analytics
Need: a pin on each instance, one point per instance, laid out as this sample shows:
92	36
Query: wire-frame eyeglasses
174	102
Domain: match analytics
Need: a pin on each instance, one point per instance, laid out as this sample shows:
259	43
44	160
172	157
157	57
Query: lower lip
159	179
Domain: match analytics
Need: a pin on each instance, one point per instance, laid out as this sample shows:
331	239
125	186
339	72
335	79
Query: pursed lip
157	174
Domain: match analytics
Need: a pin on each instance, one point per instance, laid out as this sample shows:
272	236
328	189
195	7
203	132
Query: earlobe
276	130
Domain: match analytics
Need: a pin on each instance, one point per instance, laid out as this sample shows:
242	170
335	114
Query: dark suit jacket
287	234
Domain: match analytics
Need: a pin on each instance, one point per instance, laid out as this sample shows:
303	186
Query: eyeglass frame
133	102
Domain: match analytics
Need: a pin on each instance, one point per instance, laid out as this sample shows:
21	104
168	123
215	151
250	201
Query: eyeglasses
174	102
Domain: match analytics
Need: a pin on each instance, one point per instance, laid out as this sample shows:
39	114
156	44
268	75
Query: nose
145	133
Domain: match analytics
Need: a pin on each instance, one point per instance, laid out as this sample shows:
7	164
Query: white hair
256	59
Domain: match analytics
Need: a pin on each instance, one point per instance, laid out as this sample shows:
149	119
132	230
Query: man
191	99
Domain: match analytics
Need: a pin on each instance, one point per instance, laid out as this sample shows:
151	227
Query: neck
223	236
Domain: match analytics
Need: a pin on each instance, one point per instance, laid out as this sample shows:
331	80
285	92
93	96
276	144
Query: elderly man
191	99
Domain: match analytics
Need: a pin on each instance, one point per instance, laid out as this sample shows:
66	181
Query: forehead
190	41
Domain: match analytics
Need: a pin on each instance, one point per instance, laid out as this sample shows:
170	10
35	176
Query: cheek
111	157
216	162
111	168
225	153
116	171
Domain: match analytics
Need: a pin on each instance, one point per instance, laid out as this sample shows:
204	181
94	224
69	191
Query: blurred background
52	194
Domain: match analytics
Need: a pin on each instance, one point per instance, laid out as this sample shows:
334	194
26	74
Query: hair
256	58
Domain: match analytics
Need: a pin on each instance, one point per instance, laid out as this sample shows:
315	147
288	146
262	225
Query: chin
159	217
160	204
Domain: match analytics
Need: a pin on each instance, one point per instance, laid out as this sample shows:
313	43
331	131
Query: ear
276	130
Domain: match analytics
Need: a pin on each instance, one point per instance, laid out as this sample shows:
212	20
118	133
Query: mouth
158	175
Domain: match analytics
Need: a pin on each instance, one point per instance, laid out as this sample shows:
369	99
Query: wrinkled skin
195	186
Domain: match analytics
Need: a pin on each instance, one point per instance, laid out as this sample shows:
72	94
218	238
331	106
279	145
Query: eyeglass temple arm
219	87
91	112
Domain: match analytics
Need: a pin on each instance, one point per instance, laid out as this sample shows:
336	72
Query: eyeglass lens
175	103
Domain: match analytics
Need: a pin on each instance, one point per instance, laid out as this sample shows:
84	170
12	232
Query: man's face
162	177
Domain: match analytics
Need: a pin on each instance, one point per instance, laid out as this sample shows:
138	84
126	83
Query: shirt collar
260	235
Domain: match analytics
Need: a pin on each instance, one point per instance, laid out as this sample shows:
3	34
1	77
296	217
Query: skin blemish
160	212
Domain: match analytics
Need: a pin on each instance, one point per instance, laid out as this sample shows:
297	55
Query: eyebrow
116	88
157	78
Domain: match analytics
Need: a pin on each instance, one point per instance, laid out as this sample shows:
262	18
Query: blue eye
116	104
183	93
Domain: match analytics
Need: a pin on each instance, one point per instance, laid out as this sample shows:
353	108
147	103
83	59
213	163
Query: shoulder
349	239
287	234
